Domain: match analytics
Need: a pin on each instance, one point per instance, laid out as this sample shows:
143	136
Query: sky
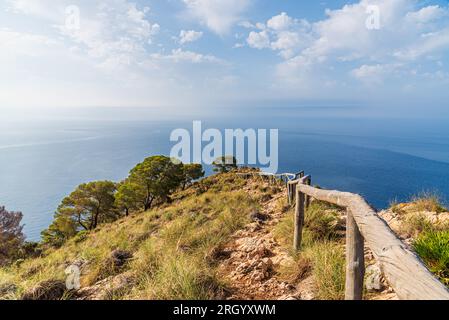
200	53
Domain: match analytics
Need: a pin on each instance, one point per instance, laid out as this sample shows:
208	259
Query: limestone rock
46	290
7	288
374	277
120	257
107	288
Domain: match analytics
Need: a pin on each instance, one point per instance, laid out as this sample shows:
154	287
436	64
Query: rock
254	227
258	217
217	254
266	265
373	281
266	197
258	276
120	257
107	288
307	296
80	263
289	298
7	288
46	290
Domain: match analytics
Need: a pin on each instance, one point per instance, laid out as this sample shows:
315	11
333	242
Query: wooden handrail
403	269
405	272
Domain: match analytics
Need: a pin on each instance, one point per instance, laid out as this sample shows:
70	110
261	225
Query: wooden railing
404	270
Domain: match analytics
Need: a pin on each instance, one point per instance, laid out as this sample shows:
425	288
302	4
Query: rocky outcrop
46	290
108	288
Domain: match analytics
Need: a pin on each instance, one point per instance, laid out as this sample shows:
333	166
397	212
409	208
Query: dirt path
254	256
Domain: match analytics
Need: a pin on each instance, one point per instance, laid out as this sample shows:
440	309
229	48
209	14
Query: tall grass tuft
433	248
328	260
321	220
429	201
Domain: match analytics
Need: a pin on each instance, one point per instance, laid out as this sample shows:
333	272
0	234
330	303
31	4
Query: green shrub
322	221
433	248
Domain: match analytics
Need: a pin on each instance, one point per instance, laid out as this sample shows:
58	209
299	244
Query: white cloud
407	34
246	24
15	43
180	55
280	22
373	74
218	15
117	34
259	40
35	7
109	60
280	33
427	14
119	49
426	44
286	42
189	36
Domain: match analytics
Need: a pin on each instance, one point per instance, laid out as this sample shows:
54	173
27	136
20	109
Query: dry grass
169	245
296	271
416	223
328	260
418	216
428	201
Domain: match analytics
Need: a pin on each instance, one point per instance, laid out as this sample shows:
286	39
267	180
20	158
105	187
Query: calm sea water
41	161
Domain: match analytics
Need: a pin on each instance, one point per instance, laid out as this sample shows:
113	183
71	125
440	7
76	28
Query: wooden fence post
355	260
307	199
299	219
293	194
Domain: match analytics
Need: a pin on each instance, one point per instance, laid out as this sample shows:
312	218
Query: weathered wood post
300	175
293	194
307	199
355	260
299	219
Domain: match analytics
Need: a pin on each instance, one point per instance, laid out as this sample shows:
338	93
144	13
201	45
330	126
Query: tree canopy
130	197
225	164
86	207
192	172
91	204
11	234
159	176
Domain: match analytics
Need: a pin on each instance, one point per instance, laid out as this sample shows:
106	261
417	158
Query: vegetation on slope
425	222
433	248
322	252
171	251
171	247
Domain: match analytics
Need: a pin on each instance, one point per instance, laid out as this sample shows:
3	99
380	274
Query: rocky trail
254	255
250	261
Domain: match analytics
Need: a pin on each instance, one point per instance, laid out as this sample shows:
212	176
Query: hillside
224	237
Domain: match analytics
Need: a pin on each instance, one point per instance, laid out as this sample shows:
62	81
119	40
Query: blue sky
203	53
